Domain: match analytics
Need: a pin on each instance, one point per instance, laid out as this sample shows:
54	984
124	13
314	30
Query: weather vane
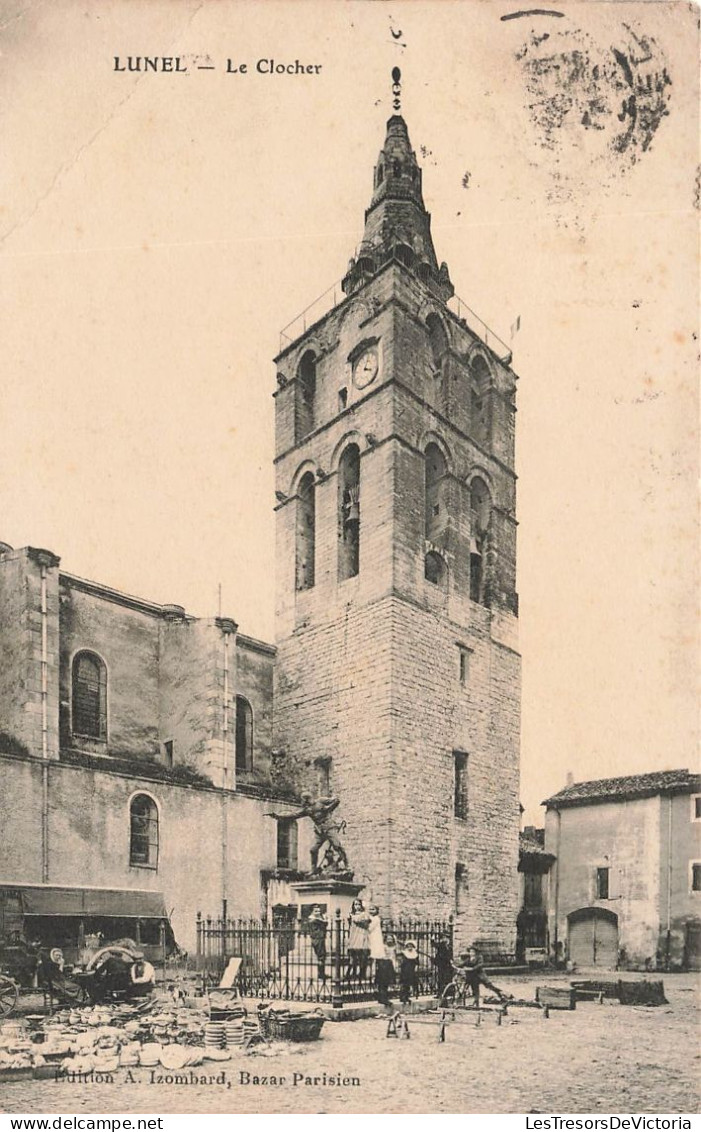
396	89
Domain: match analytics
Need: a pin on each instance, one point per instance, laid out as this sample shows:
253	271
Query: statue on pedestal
334	862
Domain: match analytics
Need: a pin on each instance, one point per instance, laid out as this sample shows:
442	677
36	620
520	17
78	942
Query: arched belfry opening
438	342
349	513
305	402
435	570
480	515
435	501
479	405
305	533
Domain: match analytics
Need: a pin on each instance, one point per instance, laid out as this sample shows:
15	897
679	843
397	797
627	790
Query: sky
158	230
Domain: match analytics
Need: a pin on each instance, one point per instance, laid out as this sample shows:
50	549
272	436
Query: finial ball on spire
396	89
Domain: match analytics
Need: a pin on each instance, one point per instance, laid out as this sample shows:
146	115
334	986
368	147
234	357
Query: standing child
384	970
443	962
375	940
409	961
317	925
358	941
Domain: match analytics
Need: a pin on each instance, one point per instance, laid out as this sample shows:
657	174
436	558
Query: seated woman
53	978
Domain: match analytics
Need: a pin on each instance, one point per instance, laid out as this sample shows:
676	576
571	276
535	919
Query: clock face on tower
365	368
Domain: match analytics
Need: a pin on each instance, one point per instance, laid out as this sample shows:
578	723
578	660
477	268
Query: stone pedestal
334	897
330	894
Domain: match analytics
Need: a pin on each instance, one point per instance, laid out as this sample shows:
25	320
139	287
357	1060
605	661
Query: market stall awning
121	903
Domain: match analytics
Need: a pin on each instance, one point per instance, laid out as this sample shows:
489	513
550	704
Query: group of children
395	961
367	942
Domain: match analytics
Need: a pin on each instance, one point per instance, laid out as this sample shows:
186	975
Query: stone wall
333	700
680	830
21	710
435	715
185	678
16	667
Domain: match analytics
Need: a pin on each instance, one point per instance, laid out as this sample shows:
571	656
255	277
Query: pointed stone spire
397	225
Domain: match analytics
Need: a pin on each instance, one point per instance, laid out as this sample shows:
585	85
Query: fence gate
285	960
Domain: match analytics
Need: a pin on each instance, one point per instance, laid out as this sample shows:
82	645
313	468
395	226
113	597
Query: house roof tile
629	786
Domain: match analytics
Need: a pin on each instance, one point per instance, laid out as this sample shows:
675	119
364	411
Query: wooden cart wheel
9	993
455	989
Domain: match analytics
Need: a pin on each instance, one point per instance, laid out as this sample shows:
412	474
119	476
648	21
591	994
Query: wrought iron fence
297	961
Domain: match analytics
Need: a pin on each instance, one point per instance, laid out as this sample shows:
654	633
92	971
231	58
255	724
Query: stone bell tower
398	675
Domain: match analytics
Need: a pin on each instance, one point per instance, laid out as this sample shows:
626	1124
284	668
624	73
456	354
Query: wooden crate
556	998
45	1072
22	1074
642	992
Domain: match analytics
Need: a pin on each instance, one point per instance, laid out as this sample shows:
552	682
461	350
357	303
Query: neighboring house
534	865
626	884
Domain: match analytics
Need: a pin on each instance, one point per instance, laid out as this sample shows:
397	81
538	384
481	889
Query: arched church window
380	173
480	512
306	395
349	513
437	340
244	735
89	696
435	511
397	168
306	534
143	832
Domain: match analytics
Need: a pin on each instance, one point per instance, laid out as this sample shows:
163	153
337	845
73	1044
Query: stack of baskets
214	1035
222	1009
286	1026
234	1033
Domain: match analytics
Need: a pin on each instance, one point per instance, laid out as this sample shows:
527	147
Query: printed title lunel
175	64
